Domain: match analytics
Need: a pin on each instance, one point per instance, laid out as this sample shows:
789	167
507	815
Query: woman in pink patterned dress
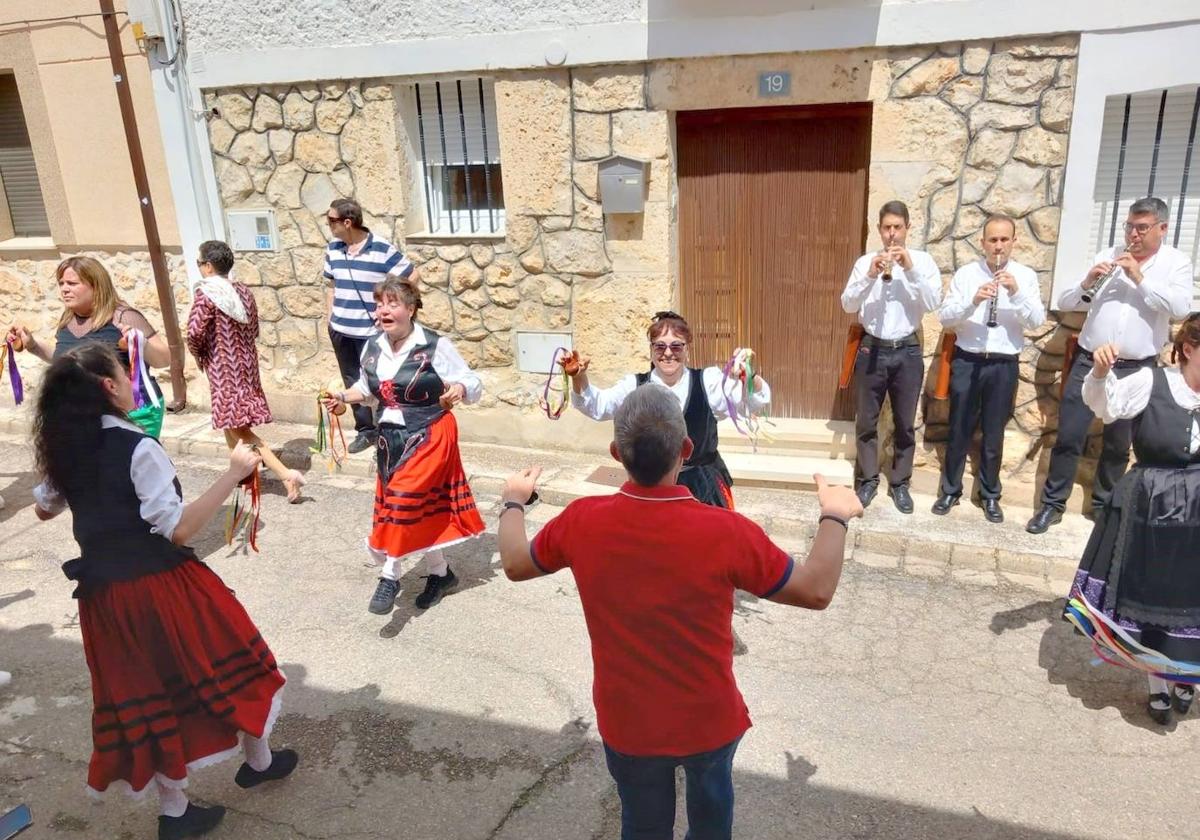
221	331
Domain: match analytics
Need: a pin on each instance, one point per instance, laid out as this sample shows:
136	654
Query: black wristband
833	518
512	506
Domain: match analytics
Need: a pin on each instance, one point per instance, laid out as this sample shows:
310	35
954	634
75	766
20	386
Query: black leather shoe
1043	519
901	499
943	504
362	442
435	587
866	494
283	762
1182	696
195	822
991	510
1159	708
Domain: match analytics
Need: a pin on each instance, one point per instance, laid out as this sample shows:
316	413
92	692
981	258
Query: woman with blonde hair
93	311
221	330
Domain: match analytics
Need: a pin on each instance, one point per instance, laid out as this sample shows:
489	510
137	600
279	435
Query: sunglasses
330	220
661	347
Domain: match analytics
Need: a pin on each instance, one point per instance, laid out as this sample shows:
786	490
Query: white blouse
1113	399
602	404
153	477
447	363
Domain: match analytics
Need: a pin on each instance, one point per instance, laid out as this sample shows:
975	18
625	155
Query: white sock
435	563
257	752
391	569
1157	685
172	802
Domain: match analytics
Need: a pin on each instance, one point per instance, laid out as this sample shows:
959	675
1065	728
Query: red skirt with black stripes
178	671
427	502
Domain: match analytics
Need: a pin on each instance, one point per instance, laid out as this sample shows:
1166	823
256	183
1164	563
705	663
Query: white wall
236	42
1110	64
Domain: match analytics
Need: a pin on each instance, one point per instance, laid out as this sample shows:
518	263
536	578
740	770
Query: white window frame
1110	64
438	139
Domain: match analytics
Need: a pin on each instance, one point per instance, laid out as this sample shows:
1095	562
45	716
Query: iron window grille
1149	146
459	147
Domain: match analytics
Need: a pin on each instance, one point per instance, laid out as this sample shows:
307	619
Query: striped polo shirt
354	281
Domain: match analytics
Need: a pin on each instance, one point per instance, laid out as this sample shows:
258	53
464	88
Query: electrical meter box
149	14
623	186
252	230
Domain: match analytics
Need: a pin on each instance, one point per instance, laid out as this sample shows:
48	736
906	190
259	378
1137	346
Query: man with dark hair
990	304
891	290
356	261
656	571
217	254
1130	295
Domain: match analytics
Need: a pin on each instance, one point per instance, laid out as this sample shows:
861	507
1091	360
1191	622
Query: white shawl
222	293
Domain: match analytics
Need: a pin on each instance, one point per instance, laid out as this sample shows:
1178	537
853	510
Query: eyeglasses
1141	229
661	347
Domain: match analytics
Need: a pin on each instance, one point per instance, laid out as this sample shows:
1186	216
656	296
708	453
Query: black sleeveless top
65	341
1162	434
115	542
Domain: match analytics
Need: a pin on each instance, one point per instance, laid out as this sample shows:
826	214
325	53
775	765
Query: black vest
65	341
1162	434
115	542
700	421
415	390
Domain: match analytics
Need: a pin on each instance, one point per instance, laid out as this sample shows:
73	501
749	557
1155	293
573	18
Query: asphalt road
912	708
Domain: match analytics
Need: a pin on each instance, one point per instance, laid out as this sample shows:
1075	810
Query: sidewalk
961	546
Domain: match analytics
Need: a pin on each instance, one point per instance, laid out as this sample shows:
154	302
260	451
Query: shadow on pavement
373	769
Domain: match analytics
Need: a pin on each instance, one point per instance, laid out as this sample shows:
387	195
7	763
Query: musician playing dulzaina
422	500
704	395
989	305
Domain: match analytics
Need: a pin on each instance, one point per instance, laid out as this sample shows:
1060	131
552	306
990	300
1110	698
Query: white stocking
257	752
435	563
1157	685
172	802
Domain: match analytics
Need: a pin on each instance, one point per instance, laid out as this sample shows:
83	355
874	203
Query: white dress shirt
1136	318
1113	399
1015	313
447	363
153	477
893	310
602	404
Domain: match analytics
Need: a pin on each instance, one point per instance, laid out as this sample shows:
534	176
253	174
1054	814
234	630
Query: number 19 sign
774	83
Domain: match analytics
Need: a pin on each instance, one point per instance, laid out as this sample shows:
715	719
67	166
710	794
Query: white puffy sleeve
601	404
1113	399
449	364
153	477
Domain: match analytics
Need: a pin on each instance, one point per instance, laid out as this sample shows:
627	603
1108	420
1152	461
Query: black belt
1121	363
909	340
986	356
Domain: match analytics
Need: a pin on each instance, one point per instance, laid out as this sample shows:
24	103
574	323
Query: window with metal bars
1149	146
460	156
22	209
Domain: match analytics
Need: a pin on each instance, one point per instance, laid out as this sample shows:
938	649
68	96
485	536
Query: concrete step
785	471
791	436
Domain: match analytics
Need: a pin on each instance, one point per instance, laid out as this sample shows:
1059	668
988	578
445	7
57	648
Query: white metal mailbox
252	230
623	186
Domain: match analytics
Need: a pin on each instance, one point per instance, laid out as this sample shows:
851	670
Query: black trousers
886	372
982	391
348	351
1074	420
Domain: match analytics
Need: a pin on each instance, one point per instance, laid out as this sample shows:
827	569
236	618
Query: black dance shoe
1182	696
194	822
901	499
435	587
943	504
1159	708
362	442
384	597
283	762
991	510
1043	519
866	494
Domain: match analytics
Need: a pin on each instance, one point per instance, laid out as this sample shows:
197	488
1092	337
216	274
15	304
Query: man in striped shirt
355	262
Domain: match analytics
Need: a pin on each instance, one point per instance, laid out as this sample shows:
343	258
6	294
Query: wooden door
772	215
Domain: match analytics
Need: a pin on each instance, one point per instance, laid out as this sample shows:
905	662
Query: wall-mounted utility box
623	184
149	14
252	230
535	350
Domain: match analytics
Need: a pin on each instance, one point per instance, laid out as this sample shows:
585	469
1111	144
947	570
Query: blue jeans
646	784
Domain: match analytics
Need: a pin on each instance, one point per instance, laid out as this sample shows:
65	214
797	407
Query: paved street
912	708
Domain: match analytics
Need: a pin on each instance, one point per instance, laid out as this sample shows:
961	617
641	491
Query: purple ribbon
15	375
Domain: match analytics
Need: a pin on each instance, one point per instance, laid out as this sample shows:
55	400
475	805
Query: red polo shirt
656	571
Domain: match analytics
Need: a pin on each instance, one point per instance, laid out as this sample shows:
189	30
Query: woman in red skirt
181	677
422	502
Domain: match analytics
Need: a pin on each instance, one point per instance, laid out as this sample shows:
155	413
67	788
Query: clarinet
995	299
887	272
1089	294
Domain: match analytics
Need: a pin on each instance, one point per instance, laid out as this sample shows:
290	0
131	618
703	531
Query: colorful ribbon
740	369
1113	644
244	512
139	374
564	390
329	436
14	374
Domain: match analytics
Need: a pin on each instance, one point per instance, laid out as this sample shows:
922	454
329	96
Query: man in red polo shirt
656	571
